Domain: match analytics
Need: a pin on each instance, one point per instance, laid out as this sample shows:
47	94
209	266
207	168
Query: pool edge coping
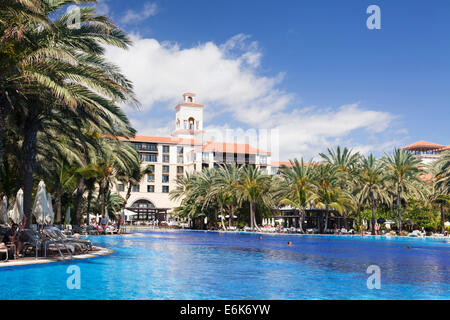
101	252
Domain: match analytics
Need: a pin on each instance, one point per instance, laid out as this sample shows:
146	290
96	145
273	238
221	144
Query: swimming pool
212	265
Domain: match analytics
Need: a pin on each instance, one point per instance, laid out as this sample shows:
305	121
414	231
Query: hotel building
184	151
426	151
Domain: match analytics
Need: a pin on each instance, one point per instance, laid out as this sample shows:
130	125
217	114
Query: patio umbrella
16	214
67	220
50	216
40	206
4	211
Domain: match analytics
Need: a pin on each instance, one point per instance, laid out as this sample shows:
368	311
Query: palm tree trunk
252	215
372	198
302	218
28	164
102	194
442	218
79	199
5	106
89	200
230	219
399	210
58	207
326	220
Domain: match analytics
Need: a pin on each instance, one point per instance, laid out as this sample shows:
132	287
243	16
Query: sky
312	69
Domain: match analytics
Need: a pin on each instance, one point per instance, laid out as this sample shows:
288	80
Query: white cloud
131	16
102	7
227	79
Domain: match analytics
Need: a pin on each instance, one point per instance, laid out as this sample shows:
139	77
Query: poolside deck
97	252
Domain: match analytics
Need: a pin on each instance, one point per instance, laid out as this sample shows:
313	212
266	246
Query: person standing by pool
104	222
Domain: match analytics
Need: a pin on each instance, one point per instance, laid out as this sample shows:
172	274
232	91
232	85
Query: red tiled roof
280	163
172	140
423	145
225	147
447	148
289	165
189	104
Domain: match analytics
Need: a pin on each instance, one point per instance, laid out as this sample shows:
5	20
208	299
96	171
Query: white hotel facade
185	151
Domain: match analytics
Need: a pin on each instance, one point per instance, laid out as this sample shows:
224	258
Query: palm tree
255	188
372	179
345	161
440	190
228	180
401	168
297	186
329	195
62	71
444	173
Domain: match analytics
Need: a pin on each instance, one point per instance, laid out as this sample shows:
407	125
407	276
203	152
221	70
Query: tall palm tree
372	180
402	169
440	188
329	195
345	161
444	173
297	186
255	188
228	181
62	71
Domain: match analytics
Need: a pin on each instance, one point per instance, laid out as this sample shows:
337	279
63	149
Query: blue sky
312	69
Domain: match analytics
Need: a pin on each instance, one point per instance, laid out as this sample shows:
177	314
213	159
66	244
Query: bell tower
188	117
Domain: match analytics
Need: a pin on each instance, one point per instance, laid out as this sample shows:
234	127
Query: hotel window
185	124
140	156
205	156
165	189
135	188
150	158
180	170
263	169
165	169
180	159
121	188
165	178
151	147
180	150
150	178
151	168
150	188
138	146
166	158
263	159
165	149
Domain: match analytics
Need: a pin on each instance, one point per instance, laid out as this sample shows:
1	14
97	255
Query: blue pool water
211	265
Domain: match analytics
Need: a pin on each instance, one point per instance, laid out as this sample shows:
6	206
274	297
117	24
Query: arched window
191	123
190	99
143	204
144	209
